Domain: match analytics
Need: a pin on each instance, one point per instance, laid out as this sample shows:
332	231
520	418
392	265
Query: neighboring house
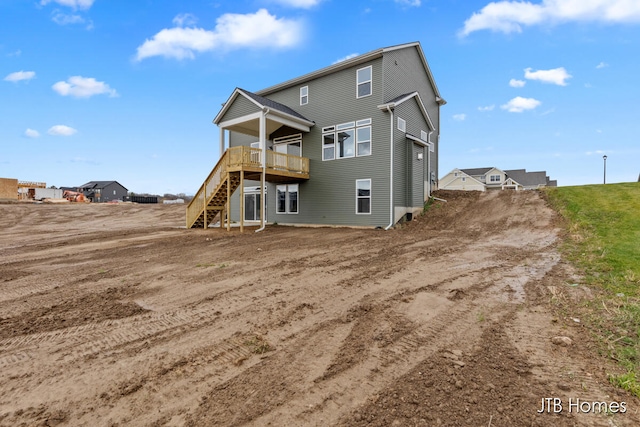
352	144
103	191
482	179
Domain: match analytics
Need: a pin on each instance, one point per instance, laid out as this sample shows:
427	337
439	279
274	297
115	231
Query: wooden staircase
236	164
218	202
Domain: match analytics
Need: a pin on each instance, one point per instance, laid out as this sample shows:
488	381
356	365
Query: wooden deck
235	165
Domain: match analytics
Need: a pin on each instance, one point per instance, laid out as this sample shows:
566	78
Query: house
482	179
352	144
103	191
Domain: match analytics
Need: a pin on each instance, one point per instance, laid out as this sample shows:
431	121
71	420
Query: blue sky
127	90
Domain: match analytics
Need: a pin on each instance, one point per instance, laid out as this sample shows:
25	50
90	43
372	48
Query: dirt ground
116	315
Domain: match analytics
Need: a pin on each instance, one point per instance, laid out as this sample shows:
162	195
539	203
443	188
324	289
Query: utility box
47	193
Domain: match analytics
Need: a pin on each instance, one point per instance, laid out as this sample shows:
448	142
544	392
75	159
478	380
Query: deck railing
236	159
287	162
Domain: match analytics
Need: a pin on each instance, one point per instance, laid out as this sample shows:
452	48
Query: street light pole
605	168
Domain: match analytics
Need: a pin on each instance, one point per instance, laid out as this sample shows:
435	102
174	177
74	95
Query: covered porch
280	161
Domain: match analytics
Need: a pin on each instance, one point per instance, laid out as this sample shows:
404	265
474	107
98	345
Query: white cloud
20	75
487	108
61	130
31	133
590	153
415	3
185	19
75	4
303	4
511	16
351	55
459	117
602	65
64	19
520	104
517	83
83	87
232	31
556	76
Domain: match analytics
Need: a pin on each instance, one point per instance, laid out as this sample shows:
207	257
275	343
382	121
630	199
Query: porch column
263	147
222	141
241	201
228	201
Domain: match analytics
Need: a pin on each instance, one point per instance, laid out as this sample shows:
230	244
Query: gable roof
266	102
403	98
261	102
477	171
524	178
99	184
347	63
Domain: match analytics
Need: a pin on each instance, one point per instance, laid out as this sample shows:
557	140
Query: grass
604	243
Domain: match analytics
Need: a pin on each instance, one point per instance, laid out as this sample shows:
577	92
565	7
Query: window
402	125
304	95
328	146
464	179
364	82
346	144
287	199
363	141
345	140
290	144
494	178
363	196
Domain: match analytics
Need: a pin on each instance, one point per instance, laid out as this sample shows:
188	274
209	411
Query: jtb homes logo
555	405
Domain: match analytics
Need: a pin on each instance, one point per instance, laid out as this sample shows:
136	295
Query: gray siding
419	175
405	73
241	107
409	173
329	195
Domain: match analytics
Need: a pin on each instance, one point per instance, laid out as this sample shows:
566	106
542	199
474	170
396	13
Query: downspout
429	161
263	143
391	220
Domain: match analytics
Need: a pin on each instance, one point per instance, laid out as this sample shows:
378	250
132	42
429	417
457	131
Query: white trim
358	82
304	95
364	197
247	118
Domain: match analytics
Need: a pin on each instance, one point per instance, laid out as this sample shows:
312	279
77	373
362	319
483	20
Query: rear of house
368	128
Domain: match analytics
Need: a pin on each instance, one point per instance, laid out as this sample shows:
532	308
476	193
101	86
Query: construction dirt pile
116	315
